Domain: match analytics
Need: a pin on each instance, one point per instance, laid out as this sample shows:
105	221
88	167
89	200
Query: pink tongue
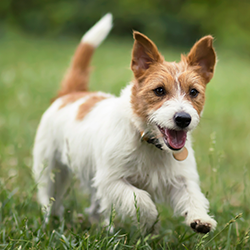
176	139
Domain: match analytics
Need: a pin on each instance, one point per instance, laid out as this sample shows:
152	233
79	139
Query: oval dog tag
181	156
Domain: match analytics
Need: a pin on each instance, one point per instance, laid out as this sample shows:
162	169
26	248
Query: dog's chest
150	169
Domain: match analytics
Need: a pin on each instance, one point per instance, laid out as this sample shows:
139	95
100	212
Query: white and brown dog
135	146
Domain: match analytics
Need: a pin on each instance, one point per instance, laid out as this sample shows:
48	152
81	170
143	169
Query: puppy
131	148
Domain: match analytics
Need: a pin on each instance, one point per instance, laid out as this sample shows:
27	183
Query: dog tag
181	156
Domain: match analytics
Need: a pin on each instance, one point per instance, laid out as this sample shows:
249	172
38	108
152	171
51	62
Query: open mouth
174	139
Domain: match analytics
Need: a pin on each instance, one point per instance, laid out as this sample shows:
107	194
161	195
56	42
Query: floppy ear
144	54
202	54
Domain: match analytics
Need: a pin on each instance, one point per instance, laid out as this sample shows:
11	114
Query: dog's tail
77	77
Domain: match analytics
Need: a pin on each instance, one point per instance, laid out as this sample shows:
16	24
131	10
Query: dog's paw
199	227
204	227
152	229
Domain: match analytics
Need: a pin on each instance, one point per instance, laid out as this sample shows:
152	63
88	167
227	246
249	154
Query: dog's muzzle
182	119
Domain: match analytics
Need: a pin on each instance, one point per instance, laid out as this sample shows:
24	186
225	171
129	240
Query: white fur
99	31
164	116
105	151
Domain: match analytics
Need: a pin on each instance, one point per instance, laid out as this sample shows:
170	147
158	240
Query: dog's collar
149	138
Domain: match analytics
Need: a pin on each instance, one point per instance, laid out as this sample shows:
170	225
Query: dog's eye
160	91
193	92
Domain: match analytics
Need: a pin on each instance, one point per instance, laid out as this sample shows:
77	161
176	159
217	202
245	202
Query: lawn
30	72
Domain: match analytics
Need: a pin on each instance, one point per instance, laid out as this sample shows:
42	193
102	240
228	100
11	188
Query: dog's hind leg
53	179
93	209
60	185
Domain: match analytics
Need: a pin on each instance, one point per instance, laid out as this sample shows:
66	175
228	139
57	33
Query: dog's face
168	96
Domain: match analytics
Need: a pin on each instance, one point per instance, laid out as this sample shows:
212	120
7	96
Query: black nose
182	119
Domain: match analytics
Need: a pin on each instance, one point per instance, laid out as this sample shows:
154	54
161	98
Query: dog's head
169	97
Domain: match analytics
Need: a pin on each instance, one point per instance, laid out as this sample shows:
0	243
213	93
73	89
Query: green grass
30	72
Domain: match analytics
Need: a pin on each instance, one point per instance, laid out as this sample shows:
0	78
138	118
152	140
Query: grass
30	72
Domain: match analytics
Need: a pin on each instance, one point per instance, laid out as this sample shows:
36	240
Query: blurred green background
176	22
37	40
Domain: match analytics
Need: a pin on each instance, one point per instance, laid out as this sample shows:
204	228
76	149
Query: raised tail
77	76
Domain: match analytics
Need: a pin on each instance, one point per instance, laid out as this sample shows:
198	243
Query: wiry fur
103	147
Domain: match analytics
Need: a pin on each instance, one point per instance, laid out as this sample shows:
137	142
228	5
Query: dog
135	148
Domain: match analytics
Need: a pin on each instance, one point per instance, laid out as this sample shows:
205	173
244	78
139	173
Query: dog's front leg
188	200
122	195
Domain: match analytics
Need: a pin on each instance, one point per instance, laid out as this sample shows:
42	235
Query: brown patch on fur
143	98
87	106
77	77
203	55
70	98
190	80
151	71
144	54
